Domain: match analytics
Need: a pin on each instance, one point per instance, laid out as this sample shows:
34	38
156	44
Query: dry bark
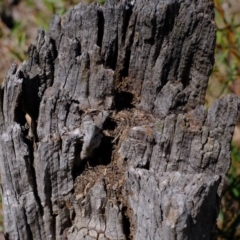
104	134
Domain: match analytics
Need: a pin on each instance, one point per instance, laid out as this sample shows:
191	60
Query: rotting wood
123	146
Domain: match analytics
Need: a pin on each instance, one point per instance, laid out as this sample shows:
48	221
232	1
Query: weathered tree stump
103	130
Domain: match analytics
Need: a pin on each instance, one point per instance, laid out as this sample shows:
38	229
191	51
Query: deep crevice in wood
100	28
28	229
19	115
123	100
31	100
1	103
55	51
78	164
103	154
126	18
32	173
126	223
110	60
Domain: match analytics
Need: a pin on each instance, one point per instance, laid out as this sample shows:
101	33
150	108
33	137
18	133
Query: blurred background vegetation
20	19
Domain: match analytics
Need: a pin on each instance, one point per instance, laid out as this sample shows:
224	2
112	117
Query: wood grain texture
121	146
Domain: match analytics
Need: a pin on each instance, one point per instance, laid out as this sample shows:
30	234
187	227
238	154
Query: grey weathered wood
119	144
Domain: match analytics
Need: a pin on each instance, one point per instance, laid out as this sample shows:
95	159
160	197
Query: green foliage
226	79
40	17
229	218
227	52
19	42
101	2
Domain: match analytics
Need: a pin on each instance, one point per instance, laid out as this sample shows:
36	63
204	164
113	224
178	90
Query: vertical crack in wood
100	27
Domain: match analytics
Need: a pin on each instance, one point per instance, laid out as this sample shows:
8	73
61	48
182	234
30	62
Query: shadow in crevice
146	166
54	48
78	164
100	156
100	28
109	124
27	226
111	55
103	154
19	115
31	100
126	18
187	70
123	100
126	63
126	223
